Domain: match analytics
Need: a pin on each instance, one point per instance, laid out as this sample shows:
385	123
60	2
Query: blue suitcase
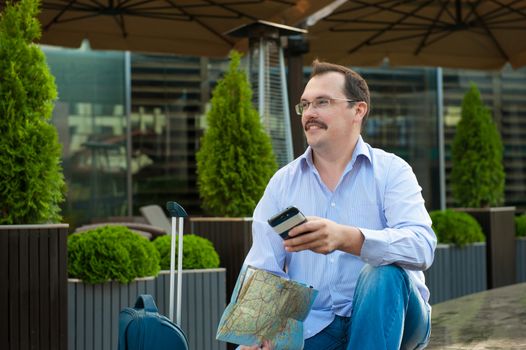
143	328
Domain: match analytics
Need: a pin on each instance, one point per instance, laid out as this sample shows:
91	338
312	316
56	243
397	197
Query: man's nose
309	110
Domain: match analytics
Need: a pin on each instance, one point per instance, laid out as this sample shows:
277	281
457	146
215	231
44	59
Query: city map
266	307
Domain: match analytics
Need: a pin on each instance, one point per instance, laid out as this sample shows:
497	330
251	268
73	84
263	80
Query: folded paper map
266	307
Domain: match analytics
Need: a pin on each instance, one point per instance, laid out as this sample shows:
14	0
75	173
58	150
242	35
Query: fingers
314	243
317	238
318	235
267	345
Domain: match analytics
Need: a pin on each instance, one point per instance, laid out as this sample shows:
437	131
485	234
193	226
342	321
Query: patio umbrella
448	33
194	27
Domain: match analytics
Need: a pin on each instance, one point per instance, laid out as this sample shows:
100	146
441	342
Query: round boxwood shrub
111	253
198	252
455	227
520	225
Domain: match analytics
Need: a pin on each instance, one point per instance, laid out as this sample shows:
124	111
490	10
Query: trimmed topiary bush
198	252
520	225
477	176
235	160
31	180
111	253
455	227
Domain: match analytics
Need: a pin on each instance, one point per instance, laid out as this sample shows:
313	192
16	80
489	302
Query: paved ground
494	319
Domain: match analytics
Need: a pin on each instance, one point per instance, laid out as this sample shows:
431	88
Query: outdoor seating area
125	121
151	224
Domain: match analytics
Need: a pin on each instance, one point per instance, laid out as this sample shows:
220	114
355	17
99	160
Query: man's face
334	124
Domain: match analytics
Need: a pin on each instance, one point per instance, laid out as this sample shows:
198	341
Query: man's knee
390	275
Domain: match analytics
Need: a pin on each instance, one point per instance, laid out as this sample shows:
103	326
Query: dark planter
521	259
33	291
498	225
456	271
94	308
232	239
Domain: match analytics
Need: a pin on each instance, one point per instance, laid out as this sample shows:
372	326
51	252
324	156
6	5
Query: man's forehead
324	85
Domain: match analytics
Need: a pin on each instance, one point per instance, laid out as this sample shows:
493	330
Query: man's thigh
332	337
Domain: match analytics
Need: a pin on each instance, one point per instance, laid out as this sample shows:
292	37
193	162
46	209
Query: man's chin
314	142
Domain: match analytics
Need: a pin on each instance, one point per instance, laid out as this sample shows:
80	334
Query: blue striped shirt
378	193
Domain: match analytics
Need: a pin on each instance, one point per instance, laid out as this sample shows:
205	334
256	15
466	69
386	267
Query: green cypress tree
477	176
31	179
235	160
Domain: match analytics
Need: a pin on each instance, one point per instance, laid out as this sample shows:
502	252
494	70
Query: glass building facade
114	164
504	93
92	126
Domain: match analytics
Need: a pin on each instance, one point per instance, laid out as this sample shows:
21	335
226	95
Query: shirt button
331	260
333	204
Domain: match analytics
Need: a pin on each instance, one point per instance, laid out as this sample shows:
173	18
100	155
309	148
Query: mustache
316	122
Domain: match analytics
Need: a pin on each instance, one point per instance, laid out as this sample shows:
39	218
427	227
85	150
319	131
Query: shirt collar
361	149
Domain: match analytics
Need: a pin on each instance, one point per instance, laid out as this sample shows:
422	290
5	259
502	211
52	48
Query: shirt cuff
375	247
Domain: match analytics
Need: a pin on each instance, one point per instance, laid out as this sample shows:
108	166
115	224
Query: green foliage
235	160
456	227
520	225
198	252
31	179
111	253
477	176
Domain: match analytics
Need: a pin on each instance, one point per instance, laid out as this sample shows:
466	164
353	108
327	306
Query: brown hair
355	87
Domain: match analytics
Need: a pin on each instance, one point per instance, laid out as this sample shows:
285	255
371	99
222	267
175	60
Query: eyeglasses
318	103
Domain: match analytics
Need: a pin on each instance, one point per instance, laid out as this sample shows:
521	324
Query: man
368	236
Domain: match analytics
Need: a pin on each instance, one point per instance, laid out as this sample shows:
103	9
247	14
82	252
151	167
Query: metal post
441	144
286	109
127	111
261	78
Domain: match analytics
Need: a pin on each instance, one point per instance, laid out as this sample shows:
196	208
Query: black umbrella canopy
448	33
194	27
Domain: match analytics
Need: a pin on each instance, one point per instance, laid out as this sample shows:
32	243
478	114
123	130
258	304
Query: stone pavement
494	319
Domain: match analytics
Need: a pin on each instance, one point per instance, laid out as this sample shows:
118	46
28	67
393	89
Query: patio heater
266	69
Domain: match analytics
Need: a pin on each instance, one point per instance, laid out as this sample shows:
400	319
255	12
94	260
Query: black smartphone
285	220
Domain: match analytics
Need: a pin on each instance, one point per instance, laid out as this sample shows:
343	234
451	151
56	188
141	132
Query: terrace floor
493	319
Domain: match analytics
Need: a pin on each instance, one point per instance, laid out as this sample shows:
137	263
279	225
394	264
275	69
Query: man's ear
361	109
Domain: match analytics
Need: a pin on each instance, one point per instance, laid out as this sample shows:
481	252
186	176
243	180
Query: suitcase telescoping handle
176	211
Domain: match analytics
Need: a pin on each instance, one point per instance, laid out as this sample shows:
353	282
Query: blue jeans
388	313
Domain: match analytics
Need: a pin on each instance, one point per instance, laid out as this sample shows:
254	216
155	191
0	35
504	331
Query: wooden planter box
232	239
93	310
456	271
33	291
521	259
498	225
